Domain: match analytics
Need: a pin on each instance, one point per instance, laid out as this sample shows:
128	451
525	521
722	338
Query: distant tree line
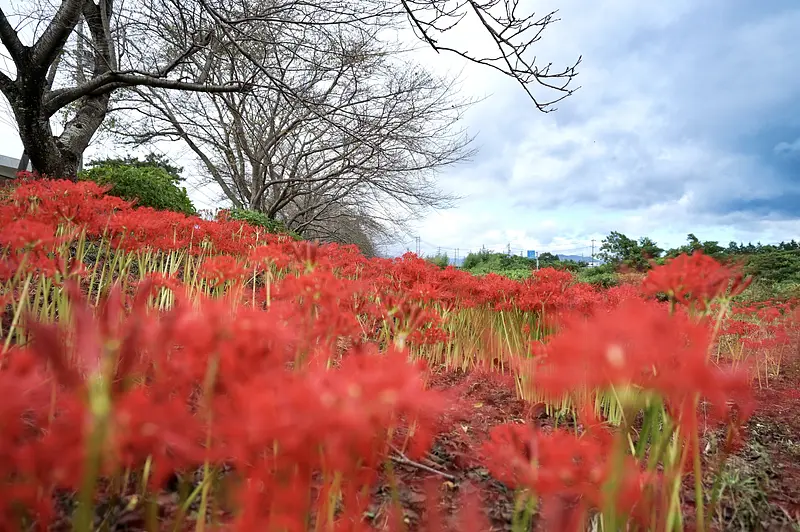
776	267
619	250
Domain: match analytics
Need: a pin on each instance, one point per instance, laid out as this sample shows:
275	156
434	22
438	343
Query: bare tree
176	44
366	143
344	224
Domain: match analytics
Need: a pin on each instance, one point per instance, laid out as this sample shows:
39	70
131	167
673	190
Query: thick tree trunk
57	157
45	156
51	156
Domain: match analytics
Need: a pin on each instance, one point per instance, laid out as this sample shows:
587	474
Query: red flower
222	268
642	345
694	280
563	466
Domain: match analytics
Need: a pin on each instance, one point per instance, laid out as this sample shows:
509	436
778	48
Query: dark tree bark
35	101
50	155
176	44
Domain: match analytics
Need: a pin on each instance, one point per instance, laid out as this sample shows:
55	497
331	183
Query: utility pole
418	246
508	249
593	252
537	259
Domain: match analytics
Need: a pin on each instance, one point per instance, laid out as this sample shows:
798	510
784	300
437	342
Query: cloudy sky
687	120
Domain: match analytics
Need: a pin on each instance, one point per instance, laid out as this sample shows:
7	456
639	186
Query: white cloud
661	138
788	148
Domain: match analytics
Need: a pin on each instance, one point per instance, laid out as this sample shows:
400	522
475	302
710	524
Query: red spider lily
306	253
292	390
146	423
31	245
24	479
274	253
694	280
639	344
222	268
563	466
320	420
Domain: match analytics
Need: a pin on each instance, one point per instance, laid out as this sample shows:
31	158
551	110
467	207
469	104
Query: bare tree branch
58	31
10	39
115	80
294	54
51	75
511	34
359	143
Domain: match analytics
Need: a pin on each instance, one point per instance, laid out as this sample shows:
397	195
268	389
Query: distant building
8	167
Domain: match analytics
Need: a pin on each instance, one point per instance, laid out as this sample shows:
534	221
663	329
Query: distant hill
576	258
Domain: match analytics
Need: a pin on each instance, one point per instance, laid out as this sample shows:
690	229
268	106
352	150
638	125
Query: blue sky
687	120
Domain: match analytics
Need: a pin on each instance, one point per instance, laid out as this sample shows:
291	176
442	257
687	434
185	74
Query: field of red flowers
163	372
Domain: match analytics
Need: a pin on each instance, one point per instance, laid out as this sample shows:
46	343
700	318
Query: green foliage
150	160
602	276
709	247
774	267
472	260
512	266
763	291
776	274
778	266
750	249
149	186
440	259
549	260
486	262
516	274
259	219
620	250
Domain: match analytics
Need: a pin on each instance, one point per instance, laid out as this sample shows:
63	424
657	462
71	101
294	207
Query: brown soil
776	427
761	480
762	490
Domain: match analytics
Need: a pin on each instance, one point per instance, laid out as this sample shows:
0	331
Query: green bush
602	276
775	267
776	274
259	219
486	261
150	160
441	260
148	186
516	274
473	259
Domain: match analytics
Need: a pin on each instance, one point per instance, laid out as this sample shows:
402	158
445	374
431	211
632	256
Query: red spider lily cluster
569	473
695	280
143	345
762	334
638	351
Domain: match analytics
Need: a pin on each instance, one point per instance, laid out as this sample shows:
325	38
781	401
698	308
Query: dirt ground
764	477
760	486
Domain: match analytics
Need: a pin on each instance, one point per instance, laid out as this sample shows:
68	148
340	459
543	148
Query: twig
401	458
